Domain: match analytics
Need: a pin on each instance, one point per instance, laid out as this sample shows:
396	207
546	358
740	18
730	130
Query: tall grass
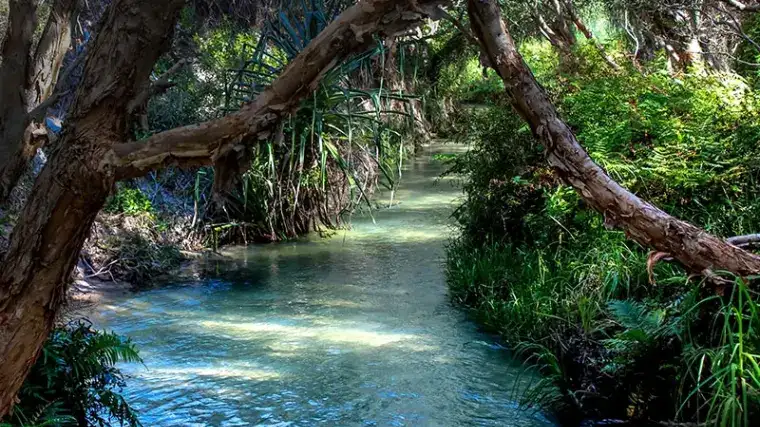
535	265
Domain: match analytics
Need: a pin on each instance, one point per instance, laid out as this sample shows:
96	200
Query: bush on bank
574	298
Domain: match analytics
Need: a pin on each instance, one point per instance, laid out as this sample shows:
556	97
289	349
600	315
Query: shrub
129	201
75	382
534	264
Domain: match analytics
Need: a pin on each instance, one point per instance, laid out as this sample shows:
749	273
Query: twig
743	7
161	84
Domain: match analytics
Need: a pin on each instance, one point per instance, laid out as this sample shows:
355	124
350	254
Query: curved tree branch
204	143
693	247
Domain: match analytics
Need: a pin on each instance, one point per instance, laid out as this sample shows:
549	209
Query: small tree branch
160	85
741	6
746	240
458	25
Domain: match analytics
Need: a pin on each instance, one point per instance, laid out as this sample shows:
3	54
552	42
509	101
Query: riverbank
618	333
354	329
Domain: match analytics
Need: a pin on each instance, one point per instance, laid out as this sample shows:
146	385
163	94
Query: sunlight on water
352	336
354	330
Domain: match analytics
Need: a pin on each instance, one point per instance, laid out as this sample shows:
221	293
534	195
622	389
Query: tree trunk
697	250
75	183
34	84
52	48
589	35
17	44
91	154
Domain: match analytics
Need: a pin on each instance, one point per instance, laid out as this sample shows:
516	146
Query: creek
352	330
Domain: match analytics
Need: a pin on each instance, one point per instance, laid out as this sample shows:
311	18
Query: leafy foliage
324	160
75	380
536	265
129	201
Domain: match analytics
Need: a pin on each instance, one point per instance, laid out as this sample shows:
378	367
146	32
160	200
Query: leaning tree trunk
74	185
28	82
17	45
697	250
92	154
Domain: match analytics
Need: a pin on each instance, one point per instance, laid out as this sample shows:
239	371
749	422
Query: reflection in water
354	330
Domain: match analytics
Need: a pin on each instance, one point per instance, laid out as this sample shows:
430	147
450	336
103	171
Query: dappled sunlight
234	371
334	334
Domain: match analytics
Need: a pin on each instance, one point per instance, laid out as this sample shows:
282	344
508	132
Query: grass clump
535	265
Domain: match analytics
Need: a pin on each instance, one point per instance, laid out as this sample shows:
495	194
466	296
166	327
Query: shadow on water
353	330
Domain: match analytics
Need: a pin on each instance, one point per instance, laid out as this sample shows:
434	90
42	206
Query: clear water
355	330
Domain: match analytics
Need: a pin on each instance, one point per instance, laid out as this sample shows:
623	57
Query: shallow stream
354	330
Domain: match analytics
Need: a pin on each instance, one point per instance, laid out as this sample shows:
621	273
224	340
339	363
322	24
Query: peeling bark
693	247
50	52
74	185
92	154
22	19
27	81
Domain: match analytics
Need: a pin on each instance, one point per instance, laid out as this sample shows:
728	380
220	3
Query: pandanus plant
324	159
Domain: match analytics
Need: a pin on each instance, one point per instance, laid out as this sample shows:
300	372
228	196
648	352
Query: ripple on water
355	330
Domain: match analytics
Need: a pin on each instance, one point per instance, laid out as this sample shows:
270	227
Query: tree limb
204	143
694	248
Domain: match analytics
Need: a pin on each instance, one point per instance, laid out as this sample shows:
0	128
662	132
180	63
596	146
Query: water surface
354	330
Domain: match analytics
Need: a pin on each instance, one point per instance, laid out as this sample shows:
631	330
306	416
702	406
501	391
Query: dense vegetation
75	381
304	115
618	335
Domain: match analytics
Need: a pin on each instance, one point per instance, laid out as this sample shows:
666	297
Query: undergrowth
537	266
74	381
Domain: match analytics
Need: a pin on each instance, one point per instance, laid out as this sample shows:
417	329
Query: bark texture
27	81
75	183
17	45
697	250
51	50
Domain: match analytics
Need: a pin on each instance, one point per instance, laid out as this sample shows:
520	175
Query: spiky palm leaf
330	146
